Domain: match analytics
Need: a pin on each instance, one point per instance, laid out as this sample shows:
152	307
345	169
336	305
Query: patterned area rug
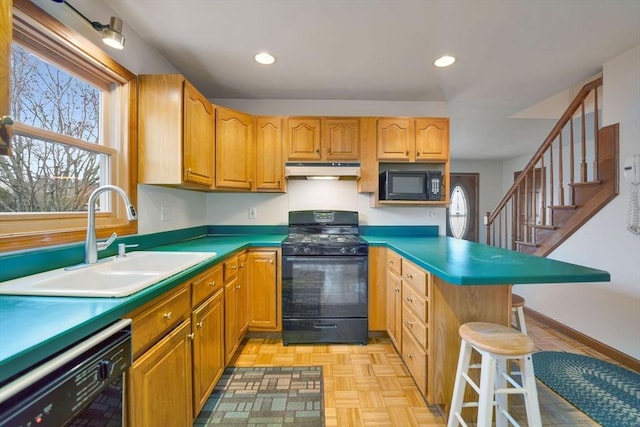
260	397
605	392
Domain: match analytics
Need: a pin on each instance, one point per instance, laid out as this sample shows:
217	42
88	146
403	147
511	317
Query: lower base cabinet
159	383
208	348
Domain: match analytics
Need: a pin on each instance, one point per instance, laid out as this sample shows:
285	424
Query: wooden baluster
543	203
583	163
595	134
527	208
487	227
515	206
551	191
572	171
560	174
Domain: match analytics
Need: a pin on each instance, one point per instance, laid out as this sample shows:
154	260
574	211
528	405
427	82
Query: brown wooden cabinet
341	138
416	284
207	321
413	139
234	150
161	348
323	138
175	133
235	304
394	299
303	138
6	32
262	289
268	154
377	271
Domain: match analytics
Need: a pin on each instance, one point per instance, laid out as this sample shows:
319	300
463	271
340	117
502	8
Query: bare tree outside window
52	168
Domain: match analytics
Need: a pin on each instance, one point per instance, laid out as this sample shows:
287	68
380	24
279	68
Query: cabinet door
261	284
159	383
208	348
230	319
5	70
395	139
198	137
269	159
432	139
341	138
394	309
303	139
234	149
243	297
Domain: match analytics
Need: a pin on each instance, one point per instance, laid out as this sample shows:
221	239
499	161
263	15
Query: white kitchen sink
112	277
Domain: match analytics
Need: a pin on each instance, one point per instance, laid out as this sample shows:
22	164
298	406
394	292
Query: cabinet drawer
230	267
158	317
206	285
394	262
414	325
414	301
416	276
415	358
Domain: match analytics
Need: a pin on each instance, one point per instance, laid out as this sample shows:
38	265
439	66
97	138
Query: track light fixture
111	33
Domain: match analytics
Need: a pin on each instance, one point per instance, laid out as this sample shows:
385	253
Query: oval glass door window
459	212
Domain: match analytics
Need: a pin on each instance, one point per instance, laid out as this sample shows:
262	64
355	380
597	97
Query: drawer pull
410	356
233	267
200	323
409	299
409	324
168	315
212	283
397	289
409	276
191	336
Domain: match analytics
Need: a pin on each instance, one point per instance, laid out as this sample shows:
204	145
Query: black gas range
324	278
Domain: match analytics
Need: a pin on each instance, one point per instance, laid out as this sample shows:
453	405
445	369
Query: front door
462	214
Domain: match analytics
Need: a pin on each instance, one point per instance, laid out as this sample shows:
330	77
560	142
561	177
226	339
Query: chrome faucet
91	247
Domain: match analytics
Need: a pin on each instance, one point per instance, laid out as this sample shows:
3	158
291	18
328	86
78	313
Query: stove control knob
294	249
306	250
343	250
354	250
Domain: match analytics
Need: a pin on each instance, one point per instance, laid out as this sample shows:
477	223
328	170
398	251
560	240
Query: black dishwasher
81	386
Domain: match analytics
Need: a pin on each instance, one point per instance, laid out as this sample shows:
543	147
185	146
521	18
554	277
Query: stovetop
321	239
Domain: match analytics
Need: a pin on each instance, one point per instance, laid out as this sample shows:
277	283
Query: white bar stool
497	345
517	306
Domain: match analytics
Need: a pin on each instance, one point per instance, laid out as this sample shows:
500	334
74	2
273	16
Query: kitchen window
74	130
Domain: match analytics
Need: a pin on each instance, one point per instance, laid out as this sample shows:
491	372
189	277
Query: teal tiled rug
266	397
605	392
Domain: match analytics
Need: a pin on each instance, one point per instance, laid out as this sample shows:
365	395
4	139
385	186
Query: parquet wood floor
370	385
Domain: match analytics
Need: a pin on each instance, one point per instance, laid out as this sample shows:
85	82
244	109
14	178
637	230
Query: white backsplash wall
164	209
273	209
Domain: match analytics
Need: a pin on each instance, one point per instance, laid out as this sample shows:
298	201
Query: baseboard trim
618	356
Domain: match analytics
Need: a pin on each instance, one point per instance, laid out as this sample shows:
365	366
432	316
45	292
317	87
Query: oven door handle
324	257
325	325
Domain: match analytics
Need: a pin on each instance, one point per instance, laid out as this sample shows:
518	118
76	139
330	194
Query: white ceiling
511	54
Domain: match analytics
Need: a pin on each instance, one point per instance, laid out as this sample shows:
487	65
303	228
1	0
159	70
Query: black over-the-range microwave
410	185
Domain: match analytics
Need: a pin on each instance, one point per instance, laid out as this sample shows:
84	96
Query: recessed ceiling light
444	61
264	58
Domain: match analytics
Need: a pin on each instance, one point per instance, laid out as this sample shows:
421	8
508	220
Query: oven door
324	287
324	299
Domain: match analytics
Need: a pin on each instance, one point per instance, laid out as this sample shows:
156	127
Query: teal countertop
34	328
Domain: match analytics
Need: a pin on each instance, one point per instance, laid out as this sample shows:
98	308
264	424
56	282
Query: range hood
311	170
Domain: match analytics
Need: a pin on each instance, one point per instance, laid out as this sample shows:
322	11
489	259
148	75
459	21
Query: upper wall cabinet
408	139
269	160
234	150
323	139
176	134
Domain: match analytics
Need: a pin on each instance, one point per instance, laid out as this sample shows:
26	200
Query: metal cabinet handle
270	261
410	356
191	336
407	153
397	289
409	299
409	276
200	323
233	267
418	153
409	324
212	283
168	315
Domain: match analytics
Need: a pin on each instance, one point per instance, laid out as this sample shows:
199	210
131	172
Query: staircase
572	176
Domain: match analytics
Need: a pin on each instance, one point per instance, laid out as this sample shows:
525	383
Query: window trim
37	30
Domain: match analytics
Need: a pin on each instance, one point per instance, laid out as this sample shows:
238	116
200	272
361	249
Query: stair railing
540	190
